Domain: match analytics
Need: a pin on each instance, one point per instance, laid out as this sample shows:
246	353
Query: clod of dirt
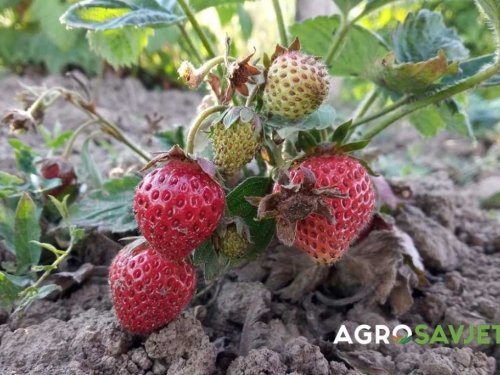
235	299
79	346
439	248
258	361
301	356
445	361
371	362
341	369
184	346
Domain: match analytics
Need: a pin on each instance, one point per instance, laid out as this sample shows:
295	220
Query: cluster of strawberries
177	207
321	203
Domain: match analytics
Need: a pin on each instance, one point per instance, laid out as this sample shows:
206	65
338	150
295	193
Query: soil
438	263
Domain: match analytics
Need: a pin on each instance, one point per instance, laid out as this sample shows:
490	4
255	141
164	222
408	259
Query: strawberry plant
278	160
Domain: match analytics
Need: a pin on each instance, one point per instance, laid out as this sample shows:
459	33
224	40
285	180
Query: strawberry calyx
240	73
293	202
177	153
244	114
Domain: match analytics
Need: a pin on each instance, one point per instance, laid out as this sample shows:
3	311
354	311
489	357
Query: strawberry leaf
113	14
261	232
306	141
109	208
410	77
429	27
341	132
8	292
26	229
355	146
362	45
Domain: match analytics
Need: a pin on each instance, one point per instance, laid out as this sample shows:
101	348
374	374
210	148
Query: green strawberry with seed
296	84
233	237
236	137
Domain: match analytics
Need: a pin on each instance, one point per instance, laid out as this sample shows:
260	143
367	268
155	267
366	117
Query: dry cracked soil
277	315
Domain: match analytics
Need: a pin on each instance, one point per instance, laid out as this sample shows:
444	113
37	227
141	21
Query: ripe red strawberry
148	291
58	168
178	206
321	206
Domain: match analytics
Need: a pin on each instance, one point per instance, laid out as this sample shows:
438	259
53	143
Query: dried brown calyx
240	73
292	202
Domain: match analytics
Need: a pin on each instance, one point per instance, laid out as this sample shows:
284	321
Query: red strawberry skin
324	242
177	207
58	168
148	291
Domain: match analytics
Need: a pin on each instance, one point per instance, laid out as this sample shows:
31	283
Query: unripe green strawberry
296	85
233	237
236	137
233	244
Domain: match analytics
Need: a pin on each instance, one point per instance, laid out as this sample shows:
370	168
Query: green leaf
361	48
119	47
355	146
36	294
62	208
346	5
206	256
340	133
59	141
112	14
372	5
26	229
320	119
492	202
8	3
109	208
169	139
226	13
7	179
91	166
306	141
8	292
491	8
421	36
456	118
484	113
470	67
412	78
7	220
427	121
47	12
24	156
246	23
261	232
198	5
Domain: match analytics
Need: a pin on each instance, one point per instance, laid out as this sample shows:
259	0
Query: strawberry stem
281	23
197	28
466	84
190	43
68	150
197	124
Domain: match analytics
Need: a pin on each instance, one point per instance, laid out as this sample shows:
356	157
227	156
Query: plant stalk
338	40
190	43
197	28
197	123
281	23
398	103
441	95
69	146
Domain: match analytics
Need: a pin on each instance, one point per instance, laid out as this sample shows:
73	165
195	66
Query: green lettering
439	336
496	327
469	339
456	335
482	334
422	336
